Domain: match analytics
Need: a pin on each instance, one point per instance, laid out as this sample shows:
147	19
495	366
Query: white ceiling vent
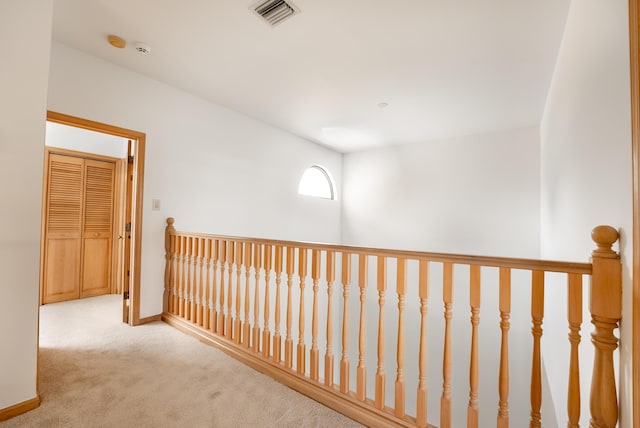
275	11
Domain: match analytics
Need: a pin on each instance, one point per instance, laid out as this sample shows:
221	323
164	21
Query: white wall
213	169
476	194
25	28
586	170
468	195
83	140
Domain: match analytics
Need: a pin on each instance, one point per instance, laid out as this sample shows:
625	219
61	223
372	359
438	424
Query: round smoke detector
143	48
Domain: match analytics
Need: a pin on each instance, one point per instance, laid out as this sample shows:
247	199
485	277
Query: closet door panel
61	270
97	229
63	228
95	274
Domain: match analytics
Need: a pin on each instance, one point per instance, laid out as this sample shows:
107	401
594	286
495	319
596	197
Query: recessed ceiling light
383	105
116	42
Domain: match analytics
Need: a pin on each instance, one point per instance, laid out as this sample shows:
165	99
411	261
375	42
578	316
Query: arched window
316	182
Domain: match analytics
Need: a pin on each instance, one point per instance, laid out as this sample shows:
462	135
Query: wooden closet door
63	228
97	227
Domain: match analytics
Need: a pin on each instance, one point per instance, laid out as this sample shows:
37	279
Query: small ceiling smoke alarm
116	42
142	48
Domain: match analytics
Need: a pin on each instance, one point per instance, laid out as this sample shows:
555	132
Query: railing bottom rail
329	396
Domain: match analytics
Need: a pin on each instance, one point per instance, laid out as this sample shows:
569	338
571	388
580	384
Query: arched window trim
327	175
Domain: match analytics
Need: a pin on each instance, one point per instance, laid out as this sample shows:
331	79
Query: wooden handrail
463	259
210	290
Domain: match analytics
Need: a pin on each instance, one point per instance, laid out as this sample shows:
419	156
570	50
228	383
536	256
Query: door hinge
125	295
130	159
127	227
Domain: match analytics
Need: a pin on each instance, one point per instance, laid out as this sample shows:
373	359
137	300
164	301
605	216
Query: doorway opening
97	227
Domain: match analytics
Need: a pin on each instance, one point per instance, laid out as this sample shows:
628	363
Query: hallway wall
586	174
213	169
25	28
477	194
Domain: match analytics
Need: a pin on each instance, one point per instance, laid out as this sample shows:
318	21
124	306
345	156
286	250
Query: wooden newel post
168	231
606	310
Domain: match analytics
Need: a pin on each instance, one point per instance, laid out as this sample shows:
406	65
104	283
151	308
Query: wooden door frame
634	45
138	178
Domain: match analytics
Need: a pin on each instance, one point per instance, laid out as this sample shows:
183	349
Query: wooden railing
236	292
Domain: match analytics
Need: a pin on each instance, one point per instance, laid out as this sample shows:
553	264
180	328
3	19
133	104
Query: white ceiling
446	68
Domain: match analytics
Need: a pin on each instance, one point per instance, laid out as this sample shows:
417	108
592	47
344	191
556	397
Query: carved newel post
606	310
168	231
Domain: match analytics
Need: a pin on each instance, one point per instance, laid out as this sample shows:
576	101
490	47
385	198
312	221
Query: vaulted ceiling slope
445	68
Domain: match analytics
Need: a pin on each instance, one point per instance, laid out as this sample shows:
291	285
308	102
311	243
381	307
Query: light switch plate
155	204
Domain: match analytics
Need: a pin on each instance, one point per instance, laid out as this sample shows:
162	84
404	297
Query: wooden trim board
634	43
20	408
152	318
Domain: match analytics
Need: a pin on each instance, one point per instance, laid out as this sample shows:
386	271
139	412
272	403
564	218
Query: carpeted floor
97	372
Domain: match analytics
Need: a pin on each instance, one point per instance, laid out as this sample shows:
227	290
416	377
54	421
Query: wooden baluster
422	394
288	342
194	299
401	289
505	313
215	245
380	375
361	371
246	324
206	313
328	356
168	232
266	334
228	324
314	353
302	348
189	291
606	311
194	280
190	278
344	361
183	280
180	275
237	321
575	320
537	313
200	295
222	257
183	274
447	299
277	345
203	289
257	264
186	277
177	298
474	299
173	303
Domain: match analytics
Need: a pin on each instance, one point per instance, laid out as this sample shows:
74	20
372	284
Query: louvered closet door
63	229
97	228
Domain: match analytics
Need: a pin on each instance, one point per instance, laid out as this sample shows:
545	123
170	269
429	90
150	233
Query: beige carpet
97	372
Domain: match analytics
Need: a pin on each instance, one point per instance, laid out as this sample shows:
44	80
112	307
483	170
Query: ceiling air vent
275	11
